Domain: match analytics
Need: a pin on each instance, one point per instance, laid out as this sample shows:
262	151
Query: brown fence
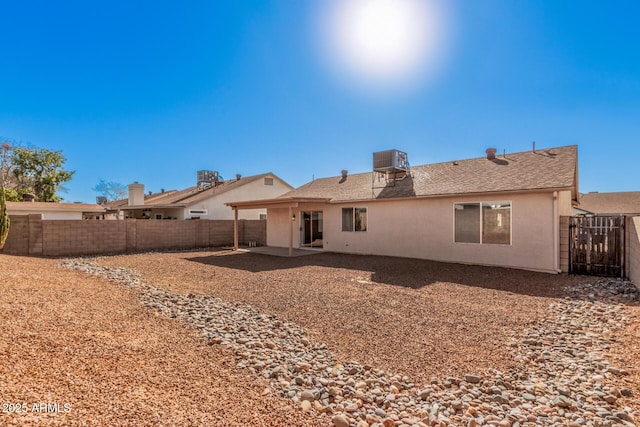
30	235
597	245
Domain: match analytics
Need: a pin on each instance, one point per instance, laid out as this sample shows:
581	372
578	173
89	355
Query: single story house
56	211
493	210
619	203
206	200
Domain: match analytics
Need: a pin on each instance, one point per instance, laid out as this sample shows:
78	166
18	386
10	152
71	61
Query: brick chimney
491	153
136	194
344	173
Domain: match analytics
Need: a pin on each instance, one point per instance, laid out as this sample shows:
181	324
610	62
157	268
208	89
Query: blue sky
154	91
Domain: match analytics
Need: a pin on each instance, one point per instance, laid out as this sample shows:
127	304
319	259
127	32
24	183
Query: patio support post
235	229
291	231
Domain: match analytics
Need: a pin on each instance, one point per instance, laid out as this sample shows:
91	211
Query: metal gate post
571	227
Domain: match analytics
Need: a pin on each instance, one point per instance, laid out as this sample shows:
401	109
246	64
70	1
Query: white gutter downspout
556	234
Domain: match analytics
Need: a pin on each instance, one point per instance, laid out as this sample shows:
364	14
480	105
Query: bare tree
5	169
111	190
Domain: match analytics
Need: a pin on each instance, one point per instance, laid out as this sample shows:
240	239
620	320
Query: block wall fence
31	235
564	244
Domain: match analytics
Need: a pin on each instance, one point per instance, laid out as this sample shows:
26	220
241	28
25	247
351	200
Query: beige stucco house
56	211
498	211
203	201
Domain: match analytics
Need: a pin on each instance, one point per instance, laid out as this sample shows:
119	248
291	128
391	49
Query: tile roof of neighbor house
554	168
191	195
611	203
51	206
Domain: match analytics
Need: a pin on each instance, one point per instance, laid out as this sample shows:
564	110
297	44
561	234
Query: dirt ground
626	353
70	338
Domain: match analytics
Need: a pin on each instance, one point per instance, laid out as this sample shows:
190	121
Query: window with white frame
484	223
354	219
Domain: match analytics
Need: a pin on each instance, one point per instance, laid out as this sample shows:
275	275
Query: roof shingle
552	168
611	203
190	195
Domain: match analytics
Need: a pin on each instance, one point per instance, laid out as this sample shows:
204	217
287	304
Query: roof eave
139	207
277	202
53	207
445	195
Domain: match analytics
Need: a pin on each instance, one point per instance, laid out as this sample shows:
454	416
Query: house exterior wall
57	215
565	207
424	228
278	224
633	249
216	208
166	213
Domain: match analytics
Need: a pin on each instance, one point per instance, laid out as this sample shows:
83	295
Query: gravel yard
70	338
412	317
408	342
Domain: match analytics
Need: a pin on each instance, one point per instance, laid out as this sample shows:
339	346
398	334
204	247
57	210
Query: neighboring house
621	203
57	211
203	201
500	211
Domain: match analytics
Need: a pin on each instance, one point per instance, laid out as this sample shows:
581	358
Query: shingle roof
553	168
611	203
190	195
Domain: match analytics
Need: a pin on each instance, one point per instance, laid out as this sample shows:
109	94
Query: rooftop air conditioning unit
389	160
207	177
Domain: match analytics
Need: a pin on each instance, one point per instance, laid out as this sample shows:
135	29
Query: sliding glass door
311	229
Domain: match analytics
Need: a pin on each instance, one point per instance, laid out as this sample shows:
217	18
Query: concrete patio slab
282	252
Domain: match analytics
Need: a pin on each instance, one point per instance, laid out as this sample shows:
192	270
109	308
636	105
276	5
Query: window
354	219
467	217
268	181
197	211
496	223
360	215
485	223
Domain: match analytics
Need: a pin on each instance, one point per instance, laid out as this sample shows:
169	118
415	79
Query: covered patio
293	204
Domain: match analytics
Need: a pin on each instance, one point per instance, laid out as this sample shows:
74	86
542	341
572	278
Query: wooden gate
597	245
